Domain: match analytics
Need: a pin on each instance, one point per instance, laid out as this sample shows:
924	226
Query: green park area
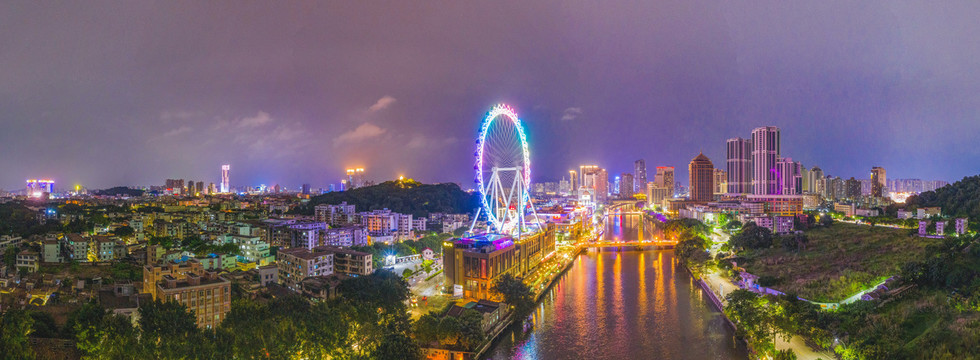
836	262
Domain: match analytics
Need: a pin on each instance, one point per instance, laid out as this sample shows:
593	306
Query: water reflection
623	305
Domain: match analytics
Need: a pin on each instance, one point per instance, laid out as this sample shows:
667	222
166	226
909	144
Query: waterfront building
626	185
473	264
657	195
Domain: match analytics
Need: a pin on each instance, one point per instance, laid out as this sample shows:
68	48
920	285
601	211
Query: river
619	304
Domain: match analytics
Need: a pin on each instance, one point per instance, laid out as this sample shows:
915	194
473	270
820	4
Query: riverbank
621	304
714	280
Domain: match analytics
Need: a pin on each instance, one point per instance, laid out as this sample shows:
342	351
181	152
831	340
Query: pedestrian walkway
721	286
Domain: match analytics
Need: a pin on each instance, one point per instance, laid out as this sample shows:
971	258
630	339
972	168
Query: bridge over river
626	226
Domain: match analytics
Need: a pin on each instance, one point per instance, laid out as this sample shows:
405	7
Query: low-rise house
27	260
322	287
123	299
76	248
51	250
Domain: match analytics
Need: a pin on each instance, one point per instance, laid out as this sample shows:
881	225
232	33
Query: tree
426	328
752	237
396	343
471	329
449	330
124	231
10	256
44	325
167	328
15	327
516	293
691	248
755	322
826	220
109	337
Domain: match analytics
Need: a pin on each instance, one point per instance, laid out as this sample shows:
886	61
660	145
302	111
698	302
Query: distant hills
119	190
403	196
958	199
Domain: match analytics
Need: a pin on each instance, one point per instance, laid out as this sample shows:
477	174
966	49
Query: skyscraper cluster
756	166
595	179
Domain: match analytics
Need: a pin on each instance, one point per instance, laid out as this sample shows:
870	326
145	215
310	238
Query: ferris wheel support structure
503	173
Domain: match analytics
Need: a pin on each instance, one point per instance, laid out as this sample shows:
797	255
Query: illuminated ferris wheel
503	171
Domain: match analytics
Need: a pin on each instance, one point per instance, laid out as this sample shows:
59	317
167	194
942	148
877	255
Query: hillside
119	190
838	261
403	196
958	199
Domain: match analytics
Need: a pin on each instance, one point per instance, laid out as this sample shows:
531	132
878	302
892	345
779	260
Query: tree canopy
402	196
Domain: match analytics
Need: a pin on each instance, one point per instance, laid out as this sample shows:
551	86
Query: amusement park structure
503	175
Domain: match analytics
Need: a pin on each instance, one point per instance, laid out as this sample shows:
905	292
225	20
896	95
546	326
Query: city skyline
138	106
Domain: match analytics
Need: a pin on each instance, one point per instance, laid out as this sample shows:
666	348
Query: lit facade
878	181
739	162
205	293
765	154
702	174
225	181
639	176
721	181
37	188
475	263
626	185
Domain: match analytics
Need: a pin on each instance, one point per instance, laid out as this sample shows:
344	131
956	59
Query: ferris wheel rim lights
495	112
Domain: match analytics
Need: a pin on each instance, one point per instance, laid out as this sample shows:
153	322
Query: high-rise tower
626	184
739	162
765	155
639	176
878	181
225	187
702	173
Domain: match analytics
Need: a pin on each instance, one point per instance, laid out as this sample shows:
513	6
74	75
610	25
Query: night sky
134	92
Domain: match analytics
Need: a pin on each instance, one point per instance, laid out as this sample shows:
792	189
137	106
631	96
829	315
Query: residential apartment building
206	294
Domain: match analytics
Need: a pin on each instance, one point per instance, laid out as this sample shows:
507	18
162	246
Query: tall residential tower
765	155
639	176
739	162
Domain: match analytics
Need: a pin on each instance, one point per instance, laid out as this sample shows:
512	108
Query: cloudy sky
134	92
